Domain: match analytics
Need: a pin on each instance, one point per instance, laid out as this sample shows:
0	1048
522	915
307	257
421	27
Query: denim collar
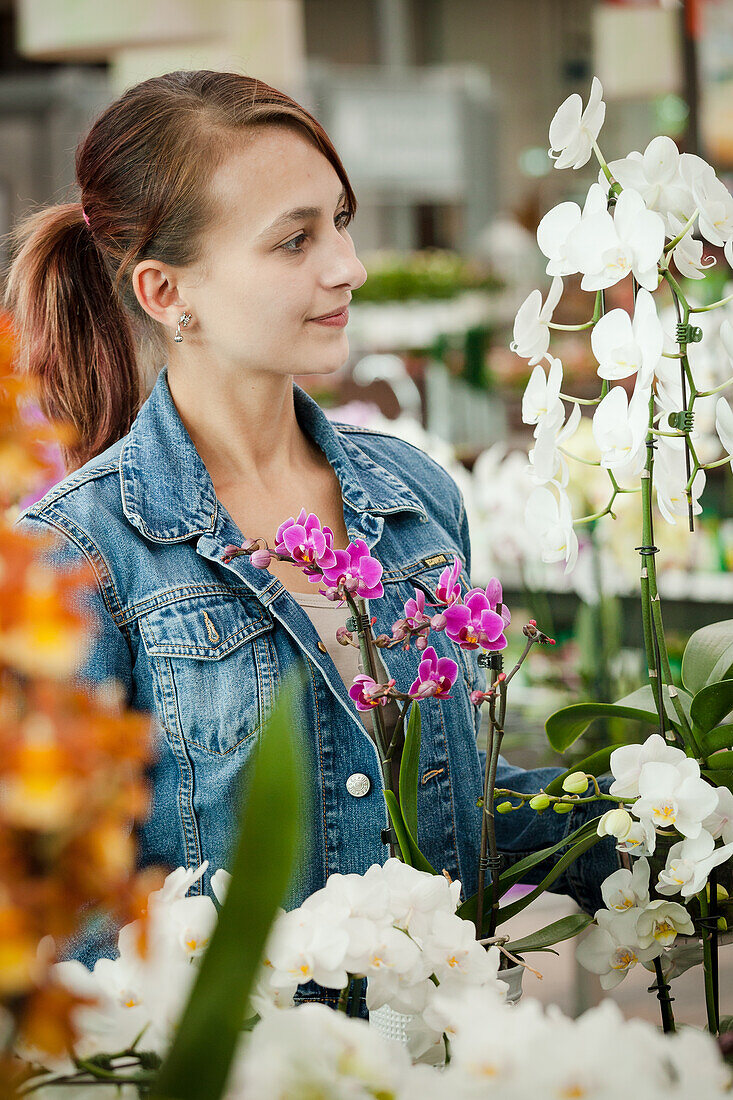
167	492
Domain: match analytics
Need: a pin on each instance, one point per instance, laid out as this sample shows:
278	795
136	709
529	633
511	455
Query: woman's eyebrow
300	213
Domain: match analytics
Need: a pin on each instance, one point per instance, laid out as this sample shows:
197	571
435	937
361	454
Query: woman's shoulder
92	491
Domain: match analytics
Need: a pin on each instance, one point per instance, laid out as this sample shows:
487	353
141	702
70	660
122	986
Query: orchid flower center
623	959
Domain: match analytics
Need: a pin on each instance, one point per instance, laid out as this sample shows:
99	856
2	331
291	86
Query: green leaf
409	768
411	854
708	656
720	762
506	912
595	764
712	704
398	824
559	930
514	874
719	738
199	1060
565	726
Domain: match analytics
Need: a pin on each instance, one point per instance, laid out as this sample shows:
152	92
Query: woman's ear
156	290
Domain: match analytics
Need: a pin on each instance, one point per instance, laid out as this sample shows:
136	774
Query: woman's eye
343	218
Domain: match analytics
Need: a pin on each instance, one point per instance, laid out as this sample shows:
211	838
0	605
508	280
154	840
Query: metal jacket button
322	647
358	784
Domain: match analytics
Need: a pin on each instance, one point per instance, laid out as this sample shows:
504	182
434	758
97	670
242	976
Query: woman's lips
337	320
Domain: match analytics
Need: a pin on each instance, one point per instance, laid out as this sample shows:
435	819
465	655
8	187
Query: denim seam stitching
186	787
323	777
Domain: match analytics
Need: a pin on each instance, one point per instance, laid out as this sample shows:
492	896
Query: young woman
212	242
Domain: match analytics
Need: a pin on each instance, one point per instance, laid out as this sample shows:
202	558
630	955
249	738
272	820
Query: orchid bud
421	641
722	924
576	783
398	632
540	802
351	584
616	823
249	544
562	807
721	893
477	698
504	808
261	559
343	636
382	640
232	551
331	593
438	622
426	689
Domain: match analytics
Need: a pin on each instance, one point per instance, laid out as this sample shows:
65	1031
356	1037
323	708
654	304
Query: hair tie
84	215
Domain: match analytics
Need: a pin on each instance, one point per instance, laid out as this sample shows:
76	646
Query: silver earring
183	320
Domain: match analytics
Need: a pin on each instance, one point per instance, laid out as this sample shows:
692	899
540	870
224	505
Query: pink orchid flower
415	609
448	591
440	671
356	564
306	541
474	623
361	692
495	596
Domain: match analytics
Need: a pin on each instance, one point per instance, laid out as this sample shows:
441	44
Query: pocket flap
205	627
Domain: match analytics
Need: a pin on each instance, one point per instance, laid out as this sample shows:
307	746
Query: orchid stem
708	964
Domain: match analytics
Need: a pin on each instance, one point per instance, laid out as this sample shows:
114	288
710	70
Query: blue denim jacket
203	646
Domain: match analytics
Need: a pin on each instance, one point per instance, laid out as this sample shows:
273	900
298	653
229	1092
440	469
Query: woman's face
278	255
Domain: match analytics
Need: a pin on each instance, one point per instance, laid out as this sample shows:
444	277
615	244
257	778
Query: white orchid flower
177	884
546	462
573	130
687	253
606	249
620	428
656	175
641	839
615	823
689	864
675	795
624	347
661	922
720	822
670	478
728	251
724	423
541	397
194	919
220	884
712	198
627	761
551	520
531	324
306	946
555	229
612	948
624	888
668	399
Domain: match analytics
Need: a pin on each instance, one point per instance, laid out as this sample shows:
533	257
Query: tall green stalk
707	962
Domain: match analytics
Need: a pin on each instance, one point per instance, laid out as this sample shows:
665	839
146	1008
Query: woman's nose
346	267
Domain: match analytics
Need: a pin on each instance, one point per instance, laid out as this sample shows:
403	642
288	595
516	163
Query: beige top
326	617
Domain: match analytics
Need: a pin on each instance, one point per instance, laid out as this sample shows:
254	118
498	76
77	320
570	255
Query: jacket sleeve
106	652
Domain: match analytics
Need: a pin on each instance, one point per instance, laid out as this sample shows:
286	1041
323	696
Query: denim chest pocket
425	575
216	669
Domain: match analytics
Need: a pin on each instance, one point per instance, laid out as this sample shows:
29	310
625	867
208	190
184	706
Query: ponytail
74	334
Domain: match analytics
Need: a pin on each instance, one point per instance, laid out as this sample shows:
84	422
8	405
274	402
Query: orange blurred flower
72	760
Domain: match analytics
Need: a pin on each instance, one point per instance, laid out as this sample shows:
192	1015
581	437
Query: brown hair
144	171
